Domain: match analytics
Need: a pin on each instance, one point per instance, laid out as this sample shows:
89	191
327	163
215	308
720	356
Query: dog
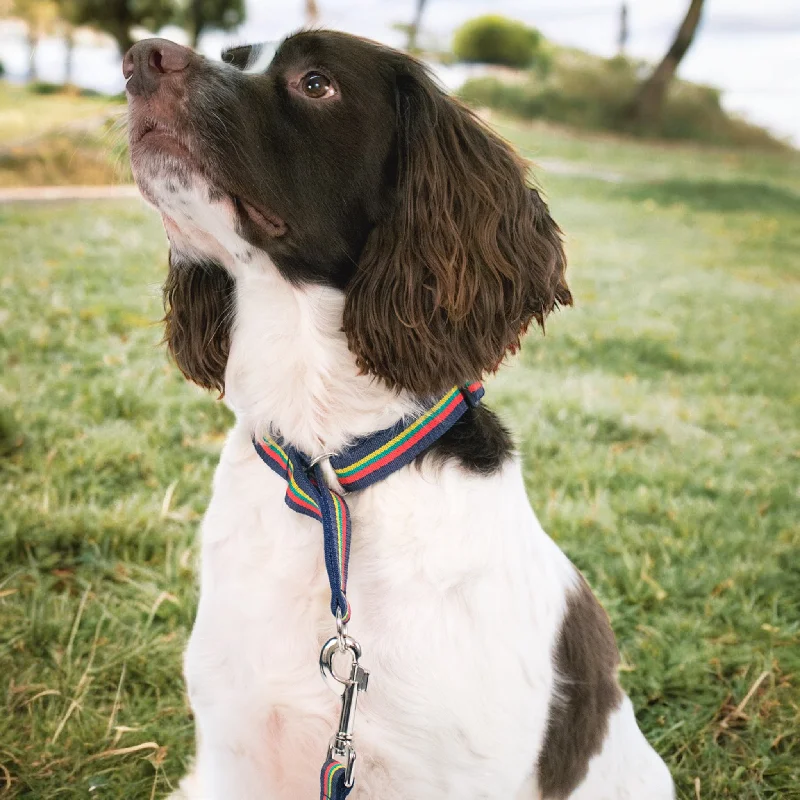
347	245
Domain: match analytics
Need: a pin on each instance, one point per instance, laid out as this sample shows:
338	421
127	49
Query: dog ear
198	313
467	255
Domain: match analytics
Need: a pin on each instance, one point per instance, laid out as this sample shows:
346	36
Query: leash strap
333	781
367	461
307	493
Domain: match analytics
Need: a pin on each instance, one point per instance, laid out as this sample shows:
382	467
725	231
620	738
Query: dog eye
316	86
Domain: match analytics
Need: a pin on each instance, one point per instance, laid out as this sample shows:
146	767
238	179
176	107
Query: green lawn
659	423
25	114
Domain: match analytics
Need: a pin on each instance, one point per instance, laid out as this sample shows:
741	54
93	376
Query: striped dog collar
368	461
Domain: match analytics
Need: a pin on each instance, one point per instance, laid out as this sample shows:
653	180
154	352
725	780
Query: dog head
347	165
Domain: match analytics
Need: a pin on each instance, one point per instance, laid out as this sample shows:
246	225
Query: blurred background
658	422
579	62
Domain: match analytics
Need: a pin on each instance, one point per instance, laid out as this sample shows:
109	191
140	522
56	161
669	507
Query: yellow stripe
331	774
339	516
292	481
299	491
269	441
421	421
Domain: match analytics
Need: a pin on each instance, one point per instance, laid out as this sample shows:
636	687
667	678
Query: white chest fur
455	603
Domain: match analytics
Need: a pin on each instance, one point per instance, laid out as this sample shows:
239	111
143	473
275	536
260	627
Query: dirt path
44	194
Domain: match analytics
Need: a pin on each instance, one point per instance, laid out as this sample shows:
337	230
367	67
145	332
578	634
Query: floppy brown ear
198	313
464	259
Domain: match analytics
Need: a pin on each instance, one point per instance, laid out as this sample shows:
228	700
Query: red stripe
289	490
300	502
326	778
345	541
421	433
273	455
473	387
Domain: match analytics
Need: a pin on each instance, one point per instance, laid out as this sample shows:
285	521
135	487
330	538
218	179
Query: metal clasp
314	461
341	745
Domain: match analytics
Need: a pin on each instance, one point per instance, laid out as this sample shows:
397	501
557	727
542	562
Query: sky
750	50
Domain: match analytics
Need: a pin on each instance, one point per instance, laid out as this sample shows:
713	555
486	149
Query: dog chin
162	175
198	218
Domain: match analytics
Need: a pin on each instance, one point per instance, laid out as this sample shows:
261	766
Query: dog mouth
265	222
153	138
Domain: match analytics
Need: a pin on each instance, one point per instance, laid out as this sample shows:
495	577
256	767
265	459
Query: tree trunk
622	39
413	29
312	12
33	43
69	42
649	101
196	22
122	35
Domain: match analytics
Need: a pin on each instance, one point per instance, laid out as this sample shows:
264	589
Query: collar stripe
345	471
407	442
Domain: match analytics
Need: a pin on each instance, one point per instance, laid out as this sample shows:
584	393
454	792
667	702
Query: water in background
773	102
98	66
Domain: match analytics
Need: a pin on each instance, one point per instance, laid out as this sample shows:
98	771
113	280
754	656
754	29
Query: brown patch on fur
198	305
587	691
467	256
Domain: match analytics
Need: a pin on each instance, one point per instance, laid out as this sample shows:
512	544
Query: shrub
583	92
493	39
43	87
586	91
63	158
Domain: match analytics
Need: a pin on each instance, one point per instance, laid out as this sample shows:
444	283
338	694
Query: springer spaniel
347	245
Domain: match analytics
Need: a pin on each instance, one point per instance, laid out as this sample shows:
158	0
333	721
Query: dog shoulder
587	692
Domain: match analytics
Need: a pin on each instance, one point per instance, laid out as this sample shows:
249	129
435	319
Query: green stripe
294	486
331	776
278	452
345	472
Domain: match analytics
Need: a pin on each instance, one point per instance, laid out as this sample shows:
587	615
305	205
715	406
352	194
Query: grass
61	138
25	114
658	422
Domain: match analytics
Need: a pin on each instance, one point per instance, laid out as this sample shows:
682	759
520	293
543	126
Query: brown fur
465	258
422	216
198	306
586	660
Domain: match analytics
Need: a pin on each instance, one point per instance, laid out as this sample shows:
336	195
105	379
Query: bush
64	158
586	91
493	39
43	87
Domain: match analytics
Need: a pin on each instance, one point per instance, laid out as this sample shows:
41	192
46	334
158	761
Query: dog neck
290	369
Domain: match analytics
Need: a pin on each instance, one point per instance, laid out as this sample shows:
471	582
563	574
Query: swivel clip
341	745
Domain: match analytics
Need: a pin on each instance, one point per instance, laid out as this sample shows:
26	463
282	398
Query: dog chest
443	586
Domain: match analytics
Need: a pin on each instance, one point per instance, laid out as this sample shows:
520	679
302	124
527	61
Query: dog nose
148	61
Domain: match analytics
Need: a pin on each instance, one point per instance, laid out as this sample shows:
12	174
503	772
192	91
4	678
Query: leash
368	461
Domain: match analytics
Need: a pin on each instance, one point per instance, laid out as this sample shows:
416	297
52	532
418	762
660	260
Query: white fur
457	593
627	768
260	58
